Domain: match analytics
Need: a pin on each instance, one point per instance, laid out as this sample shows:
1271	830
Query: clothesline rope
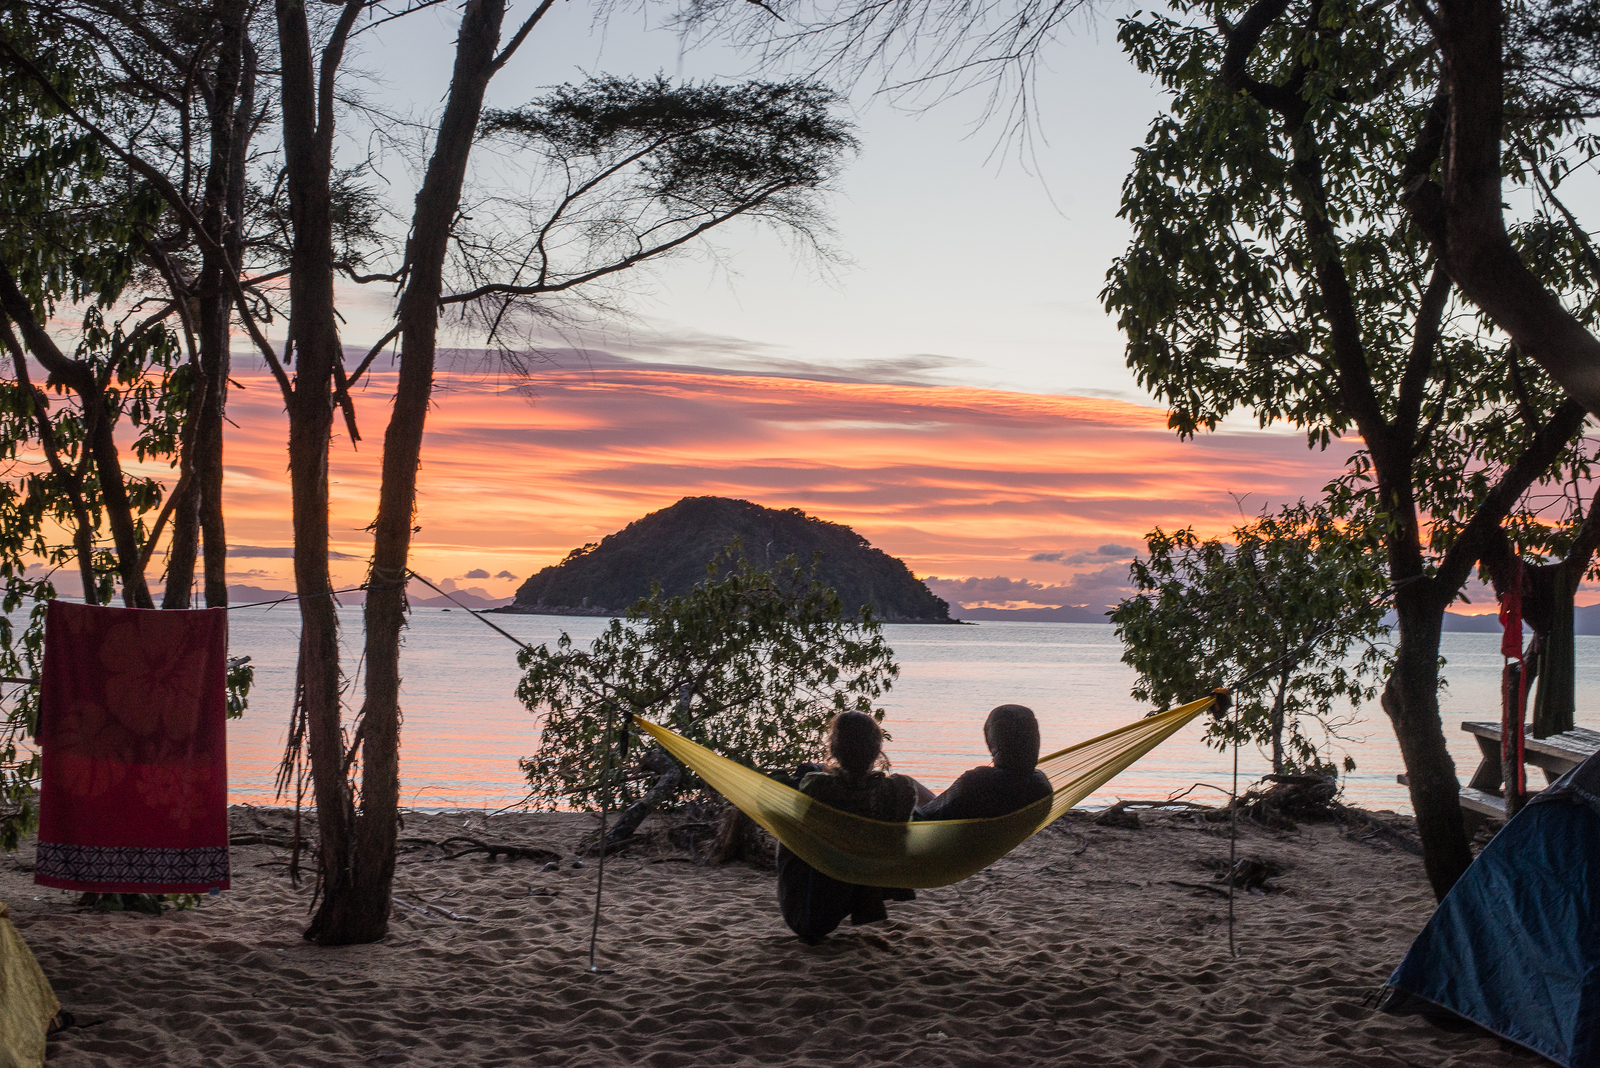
520	643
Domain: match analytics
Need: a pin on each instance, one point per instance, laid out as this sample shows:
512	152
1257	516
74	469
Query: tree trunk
232	100
71	480
1411	695
200	508
100	437
114	496
1411	700
436	206
1277	721
183	544
344	915
1465	224
666	784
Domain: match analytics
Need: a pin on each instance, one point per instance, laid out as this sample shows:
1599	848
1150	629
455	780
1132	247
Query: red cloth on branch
134	784
1513	695
1511	618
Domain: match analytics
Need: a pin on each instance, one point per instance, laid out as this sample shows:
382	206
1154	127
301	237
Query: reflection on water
464	728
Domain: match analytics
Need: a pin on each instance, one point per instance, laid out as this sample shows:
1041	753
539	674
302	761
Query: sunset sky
1009	498
960	255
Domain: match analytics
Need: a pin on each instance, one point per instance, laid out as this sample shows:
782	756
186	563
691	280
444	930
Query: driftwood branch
243	838
496	850
428	909
460	846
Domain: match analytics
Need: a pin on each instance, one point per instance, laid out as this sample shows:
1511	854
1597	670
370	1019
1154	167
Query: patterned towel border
131	869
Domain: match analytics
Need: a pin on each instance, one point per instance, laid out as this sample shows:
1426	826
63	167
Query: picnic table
1484	794
1555	755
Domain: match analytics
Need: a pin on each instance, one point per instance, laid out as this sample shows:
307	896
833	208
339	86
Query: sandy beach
1079	948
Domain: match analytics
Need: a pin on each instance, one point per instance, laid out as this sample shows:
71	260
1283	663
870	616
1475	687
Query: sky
976	260
947	384
996	497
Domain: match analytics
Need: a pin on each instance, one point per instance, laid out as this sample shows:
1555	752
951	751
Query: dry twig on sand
428	908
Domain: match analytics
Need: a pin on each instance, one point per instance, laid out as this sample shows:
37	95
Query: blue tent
1515	945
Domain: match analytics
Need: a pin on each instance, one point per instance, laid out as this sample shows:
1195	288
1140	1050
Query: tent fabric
27	1004
1515	945
869	852
133	793
1580	786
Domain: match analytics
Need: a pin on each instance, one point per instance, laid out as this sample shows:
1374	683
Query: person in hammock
1011	782
813	904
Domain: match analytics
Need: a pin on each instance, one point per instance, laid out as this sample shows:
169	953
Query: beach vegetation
1287	612
751	662
1275	268
163	104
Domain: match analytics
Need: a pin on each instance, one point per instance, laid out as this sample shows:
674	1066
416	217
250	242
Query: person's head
855	740
1012	734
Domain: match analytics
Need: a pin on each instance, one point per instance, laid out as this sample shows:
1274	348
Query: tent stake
1233	839
600	871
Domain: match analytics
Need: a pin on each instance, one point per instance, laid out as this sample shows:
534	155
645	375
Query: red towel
134	784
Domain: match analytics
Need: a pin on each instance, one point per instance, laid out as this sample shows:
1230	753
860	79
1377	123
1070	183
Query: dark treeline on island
673	547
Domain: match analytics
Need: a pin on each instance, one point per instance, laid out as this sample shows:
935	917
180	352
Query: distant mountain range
1064	614
238	595
1585	620
673	547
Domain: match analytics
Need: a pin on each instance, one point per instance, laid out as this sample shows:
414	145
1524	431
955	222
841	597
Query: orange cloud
959	482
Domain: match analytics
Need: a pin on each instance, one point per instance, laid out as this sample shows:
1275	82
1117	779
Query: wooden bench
1556	755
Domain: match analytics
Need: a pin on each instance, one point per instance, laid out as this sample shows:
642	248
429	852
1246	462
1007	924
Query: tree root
1287	799
740	838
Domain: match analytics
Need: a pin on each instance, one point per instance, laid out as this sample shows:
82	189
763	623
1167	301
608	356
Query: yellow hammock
920	854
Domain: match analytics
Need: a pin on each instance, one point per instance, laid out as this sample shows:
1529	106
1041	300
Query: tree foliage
624	171
72	226
1291	603
753	663
1271	252
639	170
1273	269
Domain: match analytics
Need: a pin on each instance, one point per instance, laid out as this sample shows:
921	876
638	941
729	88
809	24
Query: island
673	546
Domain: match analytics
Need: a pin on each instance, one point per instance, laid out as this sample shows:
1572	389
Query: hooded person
1011	781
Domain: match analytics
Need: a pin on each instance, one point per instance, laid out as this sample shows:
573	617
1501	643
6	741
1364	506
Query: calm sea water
464	728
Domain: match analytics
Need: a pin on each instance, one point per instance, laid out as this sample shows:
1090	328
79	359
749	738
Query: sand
1077	949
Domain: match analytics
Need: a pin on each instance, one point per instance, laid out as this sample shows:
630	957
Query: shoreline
1089	945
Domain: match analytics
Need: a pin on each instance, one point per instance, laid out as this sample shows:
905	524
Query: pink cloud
957	481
